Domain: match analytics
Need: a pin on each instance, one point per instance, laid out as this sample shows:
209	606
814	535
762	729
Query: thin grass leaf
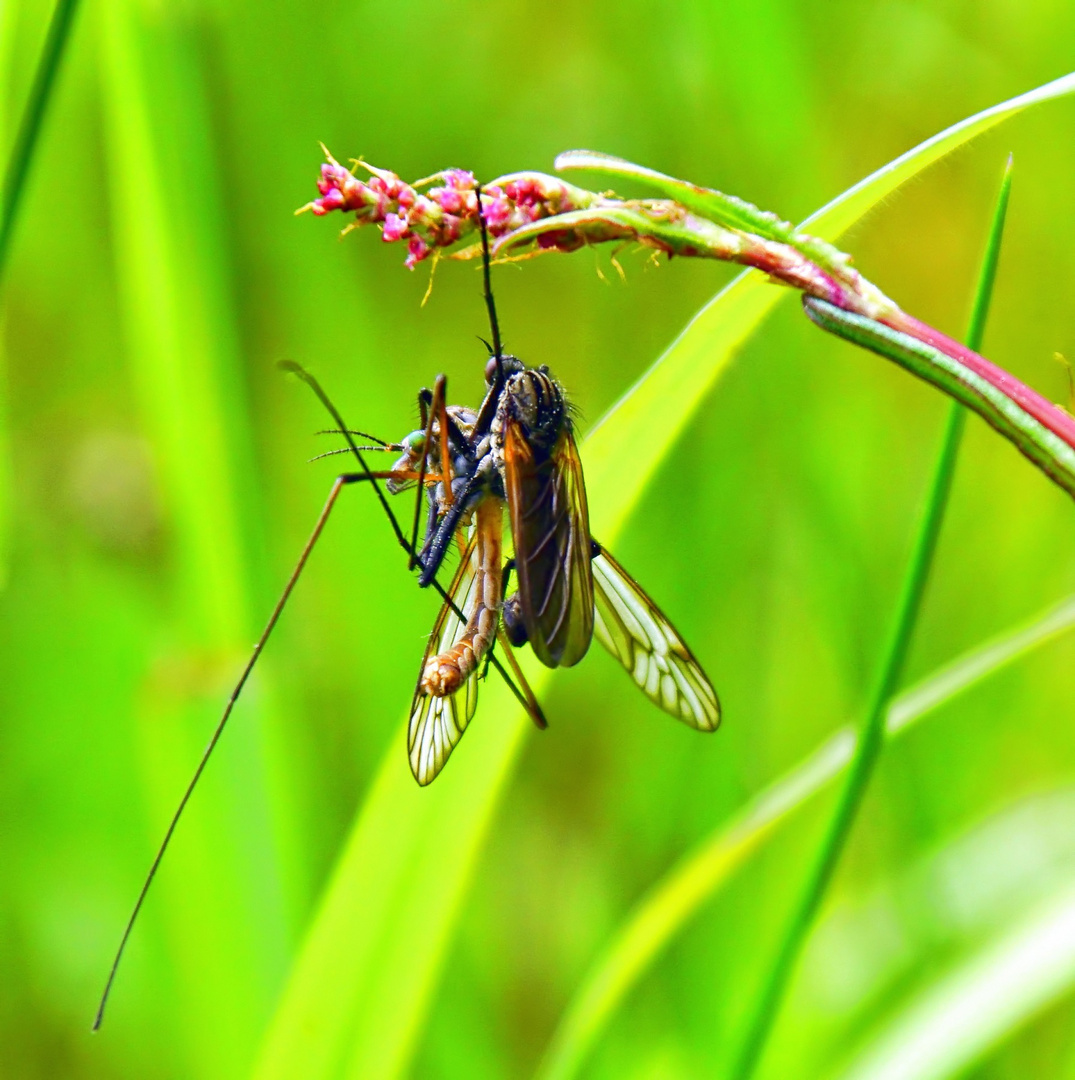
7	34
15	176
698	878
957	1020
33	119
359	989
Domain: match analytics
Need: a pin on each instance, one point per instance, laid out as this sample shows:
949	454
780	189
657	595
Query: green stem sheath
970	388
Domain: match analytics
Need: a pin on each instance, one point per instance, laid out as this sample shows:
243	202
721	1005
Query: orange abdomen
447	671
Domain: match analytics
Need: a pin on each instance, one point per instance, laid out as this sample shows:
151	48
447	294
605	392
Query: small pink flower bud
451	201
332	199
459	179
417	250
395	227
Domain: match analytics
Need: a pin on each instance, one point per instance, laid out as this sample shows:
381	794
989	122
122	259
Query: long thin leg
427	423
492	397
490	304
487	410
330	502
347	478
531	703
440	392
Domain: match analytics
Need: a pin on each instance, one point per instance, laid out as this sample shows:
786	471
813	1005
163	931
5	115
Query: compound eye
415	442
490	369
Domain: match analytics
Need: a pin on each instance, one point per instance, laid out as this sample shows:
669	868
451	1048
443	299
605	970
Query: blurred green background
154	493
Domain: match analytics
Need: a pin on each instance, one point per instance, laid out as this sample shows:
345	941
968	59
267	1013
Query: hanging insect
518	452
569	588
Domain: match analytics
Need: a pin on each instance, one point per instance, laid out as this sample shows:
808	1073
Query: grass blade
33	118
694	881
15	176
360	987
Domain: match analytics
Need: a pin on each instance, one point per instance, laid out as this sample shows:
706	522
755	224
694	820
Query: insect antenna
347	450
361	435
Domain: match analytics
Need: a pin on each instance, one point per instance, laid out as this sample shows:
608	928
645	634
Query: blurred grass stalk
24	145
29	129
361	986
871	740
222	889
952	1024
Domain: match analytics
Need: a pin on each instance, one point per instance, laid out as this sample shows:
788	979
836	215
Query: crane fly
525	460
516	453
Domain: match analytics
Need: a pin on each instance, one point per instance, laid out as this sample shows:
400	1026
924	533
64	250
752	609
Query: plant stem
868	748
32	120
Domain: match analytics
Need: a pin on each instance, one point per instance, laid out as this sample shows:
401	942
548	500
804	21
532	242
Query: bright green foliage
680	894
320	915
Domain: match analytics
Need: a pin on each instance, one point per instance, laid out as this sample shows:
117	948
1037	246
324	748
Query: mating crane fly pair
516	451
519	450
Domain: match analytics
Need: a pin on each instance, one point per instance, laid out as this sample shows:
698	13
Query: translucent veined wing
550	528
631	626
438	723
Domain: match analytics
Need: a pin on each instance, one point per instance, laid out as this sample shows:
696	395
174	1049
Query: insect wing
631	626
437	723
550	528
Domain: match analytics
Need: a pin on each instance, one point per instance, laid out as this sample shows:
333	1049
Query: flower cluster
439	211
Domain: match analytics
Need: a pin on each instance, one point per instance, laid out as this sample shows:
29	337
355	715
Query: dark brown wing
437	723
636	632
550	528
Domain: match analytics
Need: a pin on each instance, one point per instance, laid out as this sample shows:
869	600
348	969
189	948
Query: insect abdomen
447	671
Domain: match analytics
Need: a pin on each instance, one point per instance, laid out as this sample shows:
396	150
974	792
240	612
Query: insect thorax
534	400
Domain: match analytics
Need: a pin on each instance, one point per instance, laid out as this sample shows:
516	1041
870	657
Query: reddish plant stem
1044	411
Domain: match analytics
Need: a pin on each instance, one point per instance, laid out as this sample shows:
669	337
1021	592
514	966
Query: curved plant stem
33	117
869	745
